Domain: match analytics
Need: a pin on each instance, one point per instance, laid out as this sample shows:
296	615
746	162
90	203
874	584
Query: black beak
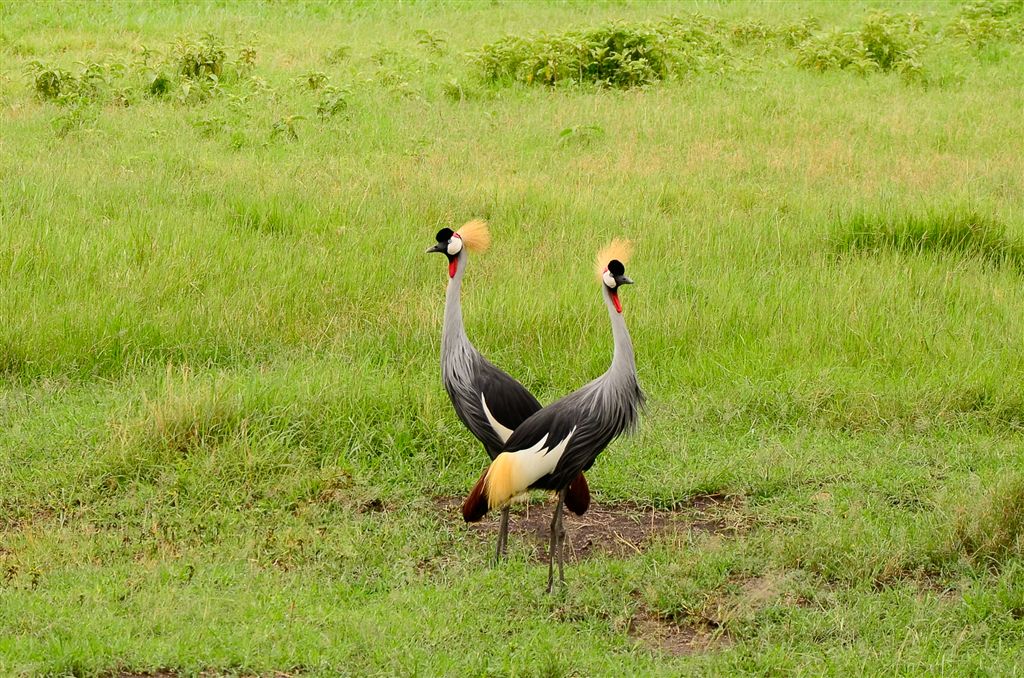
436	248
623	280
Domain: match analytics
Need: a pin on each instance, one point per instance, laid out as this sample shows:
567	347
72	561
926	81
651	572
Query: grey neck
623	363
454	331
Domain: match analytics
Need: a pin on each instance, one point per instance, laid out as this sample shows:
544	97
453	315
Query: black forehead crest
445	234
615	267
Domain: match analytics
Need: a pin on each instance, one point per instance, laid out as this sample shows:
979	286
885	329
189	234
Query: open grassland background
221	420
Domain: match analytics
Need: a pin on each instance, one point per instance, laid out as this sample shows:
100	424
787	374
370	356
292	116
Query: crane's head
473	236
610	267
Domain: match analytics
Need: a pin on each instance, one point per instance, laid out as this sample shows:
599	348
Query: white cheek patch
454	245
609	279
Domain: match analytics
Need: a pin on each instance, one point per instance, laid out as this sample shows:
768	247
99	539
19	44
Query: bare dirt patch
668	636
705	628
23	519
760	591
618	529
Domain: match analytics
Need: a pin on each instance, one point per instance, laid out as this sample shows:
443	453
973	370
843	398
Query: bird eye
454	245
609	279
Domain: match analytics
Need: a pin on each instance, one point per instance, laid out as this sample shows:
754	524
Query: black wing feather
509	402
554	421
591	436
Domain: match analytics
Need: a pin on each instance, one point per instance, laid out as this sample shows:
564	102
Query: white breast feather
502	431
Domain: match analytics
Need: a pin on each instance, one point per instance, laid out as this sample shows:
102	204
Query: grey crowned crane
562	440
488	401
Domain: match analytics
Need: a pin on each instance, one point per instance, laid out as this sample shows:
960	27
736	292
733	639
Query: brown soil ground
618	529
676	639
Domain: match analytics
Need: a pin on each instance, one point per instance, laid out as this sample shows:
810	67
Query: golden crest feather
617	249
475	235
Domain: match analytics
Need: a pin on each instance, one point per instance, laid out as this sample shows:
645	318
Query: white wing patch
536	462
503	431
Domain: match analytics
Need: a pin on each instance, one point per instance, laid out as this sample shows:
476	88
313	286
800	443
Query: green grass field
224	444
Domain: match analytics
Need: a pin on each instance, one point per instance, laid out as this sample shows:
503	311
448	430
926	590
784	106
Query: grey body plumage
562	440
490	403
594	415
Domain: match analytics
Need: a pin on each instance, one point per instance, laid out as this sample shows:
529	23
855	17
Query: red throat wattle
453	266
615	300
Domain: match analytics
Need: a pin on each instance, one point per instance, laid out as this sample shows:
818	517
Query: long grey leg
561	539
555	543
502	536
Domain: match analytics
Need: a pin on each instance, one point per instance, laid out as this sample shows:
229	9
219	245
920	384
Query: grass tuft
186	417
992	529
959	234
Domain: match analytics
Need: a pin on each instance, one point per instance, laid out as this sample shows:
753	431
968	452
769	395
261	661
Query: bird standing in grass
488	401
562	440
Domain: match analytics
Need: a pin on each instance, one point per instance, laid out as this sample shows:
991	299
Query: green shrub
751	31
455	90
192	92
286	127
97	83
982	22
795	33
693	43
885	42
432	42
827	51
200	58
994	9
618	54
889	40
580	135
338	54
193	70
52	83
210	126
757	32
333	101
315	80
77	115
246	59
614	55
159	83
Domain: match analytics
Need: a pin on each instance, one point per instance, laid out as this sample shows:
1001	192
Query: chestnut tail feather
476	505
577	498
